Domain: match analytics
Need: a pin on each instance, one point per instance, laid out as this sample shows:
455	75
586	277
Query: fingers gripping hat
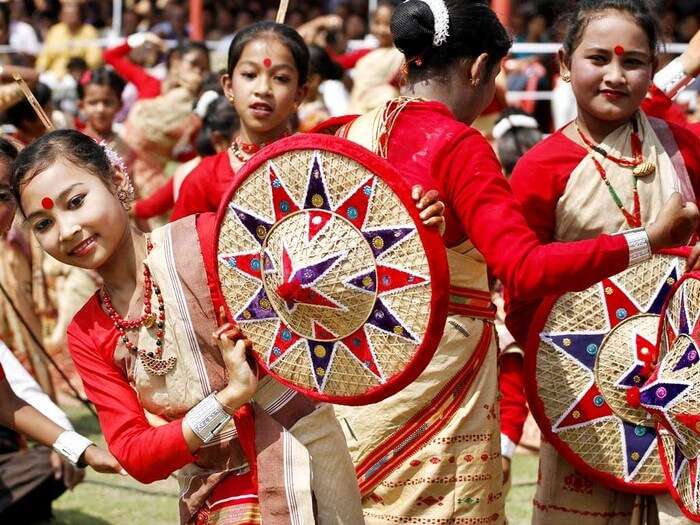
325	265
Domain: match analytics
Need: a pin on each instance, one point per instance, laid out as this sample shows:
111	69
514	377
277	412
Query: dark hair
473	29
220	116
320	63
101	77
578	17
286	35
77	63
5	12
75	147
23	111
7	150
516	141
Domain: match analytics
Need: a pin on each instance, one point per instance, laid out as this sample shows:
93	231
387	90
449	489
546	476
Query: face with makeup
611	68
265	87
74	215
7	201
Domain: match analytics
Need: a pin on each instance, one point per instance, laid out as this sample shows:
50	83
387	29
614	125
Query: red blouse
204	187
147	86
428	146
539	180
147	453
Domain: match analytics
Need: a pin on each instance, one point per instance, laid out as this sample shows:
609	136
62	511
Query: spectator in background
314	110
376	75
19	35
28	125
174	27
71	37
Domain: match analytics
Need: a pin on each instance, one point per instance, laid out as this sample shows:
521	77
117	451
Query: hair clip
441	17
114	158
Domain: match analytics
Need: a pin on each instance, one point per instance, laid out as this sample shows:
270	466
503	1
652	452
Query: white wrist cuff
207	418
639	246
672	79
71	446
507	447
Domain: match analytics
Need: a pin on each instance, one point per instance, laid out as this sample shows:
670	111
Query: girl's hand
691	56
102	461
242	380
431	208
674	224
63	470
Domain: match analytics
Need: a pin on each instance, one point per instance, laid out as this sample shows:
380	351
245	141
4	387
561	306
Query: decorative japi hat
672	394
325	265
589	355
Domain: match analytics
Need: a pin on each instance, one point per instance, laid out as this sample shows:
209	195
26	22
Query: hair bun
413	27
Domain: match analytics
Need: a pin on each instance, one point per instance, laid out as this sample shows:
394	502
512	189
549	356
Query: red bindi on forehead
267	62
619	50
46	203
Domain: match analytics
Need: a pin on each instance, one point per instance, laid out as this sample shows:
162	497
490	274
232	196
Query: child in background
314	110
375	77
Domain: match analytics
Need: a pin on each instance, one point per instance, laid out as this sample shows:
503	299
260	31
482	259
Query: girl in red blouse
265	81
431	452
608	171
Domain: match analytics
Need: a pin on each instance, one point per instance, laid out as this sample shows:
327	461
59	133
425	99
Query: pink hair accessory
114	158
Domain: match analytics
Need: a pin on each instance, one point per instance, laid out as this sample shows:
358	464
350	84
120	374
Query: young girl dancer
431	452
265	81
608	171
15	413
144	341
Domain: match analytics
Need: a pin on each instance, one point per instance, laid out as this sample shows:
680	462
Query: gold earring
125	193
231	99
566	77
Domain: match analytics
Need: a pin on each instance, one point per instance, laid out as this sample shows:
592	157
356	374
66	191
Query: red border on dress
429	237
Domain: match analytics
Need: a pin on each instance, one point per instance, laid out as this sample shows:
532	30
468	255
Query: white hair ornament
441	17
125	192
504	125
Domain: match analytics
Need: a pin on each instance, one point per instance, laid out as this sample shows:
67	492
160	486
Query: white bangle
207	418
71	446
672	79
639	245
136	40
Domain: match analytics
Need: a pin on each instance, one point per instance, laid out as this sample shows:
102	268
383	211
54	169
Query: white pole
372	7
117	18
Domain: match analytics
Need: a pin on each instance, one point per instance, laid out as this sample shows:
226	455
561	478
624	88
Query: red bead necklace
640	167
151	360
634	219
244	150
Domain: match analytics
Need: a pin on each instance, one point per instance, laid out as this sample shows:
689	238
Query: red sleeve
489	213
147	453
689	145
203	189
158	203
347	60
2	373
658	105
147	86
511	384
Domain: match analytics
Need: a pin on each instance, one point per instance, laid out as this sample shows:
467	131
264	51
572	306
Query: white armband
672	79
207	418
71	446
639	245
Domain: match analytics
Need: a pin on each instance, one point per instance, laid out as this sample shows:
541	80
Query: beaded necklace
634	219
151	360
244	150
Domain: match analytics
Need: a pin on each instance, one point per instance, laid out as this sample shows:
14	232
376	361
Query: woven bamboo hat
672	394
589	353
325	265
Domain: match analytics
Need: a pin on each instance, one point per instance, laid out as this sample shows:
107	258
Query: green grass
114	500
110	499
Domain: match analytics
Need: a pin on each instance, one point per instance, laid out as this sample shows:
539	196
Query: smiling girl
608	171
152	339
